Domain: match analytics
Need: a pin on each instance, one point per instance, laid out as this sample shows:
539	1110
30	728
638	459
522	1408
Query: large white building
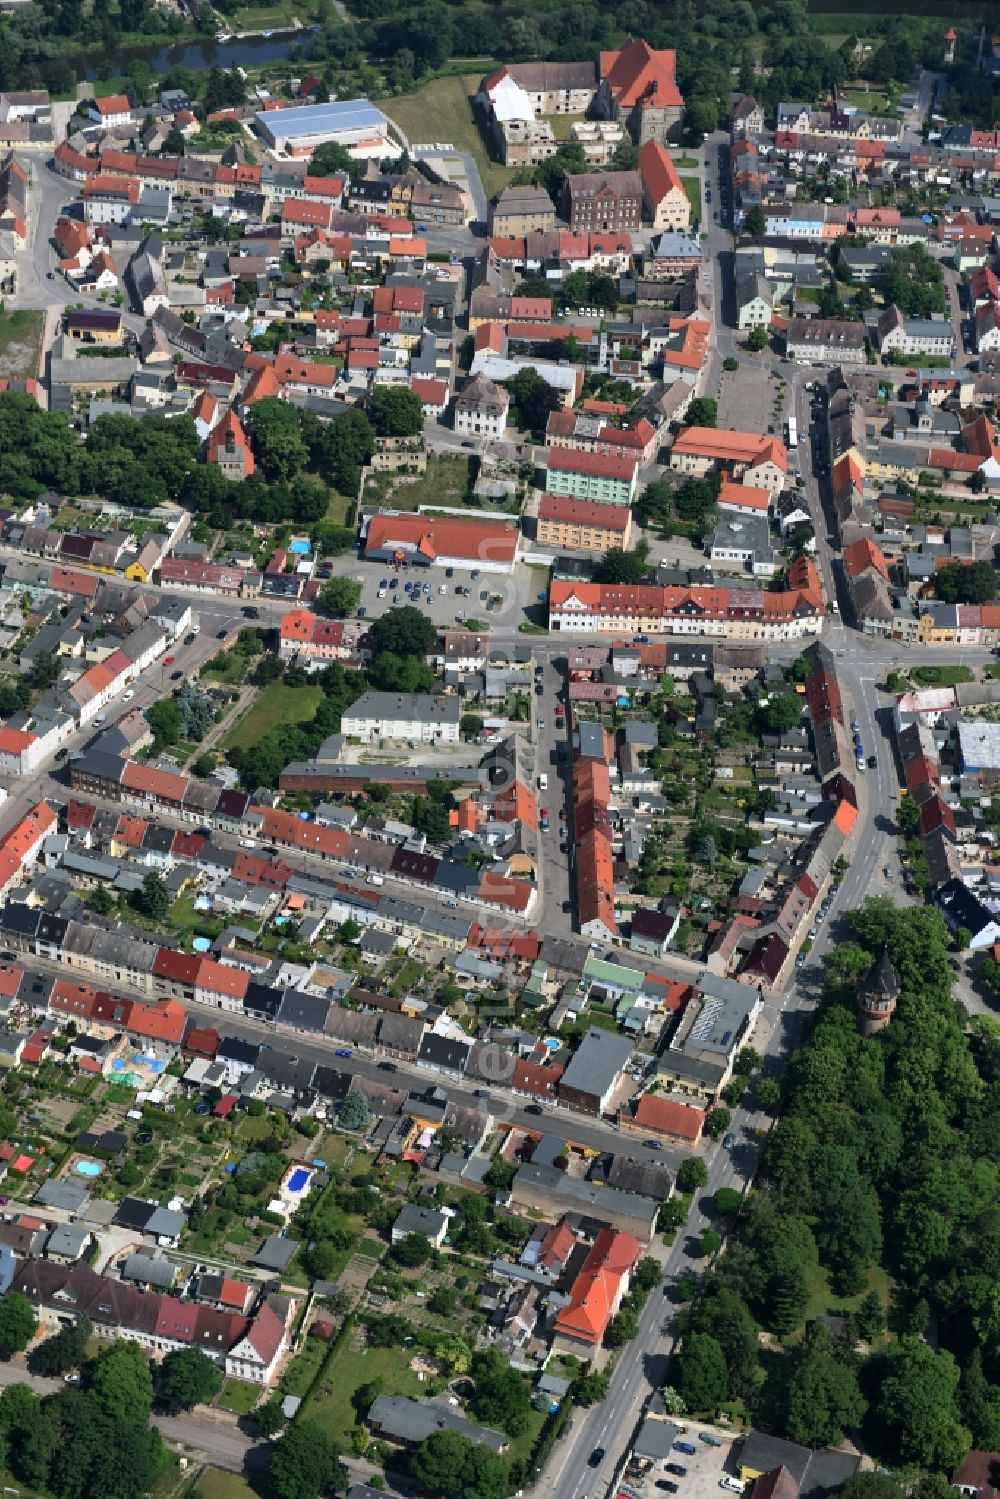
417	716
353	123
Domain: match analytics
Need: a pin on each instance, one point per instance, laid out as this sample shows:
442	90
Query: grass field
214	1483
349	1370
236	1395
276	705
441	110
692	186
20	341
822	1299
560	125
444	483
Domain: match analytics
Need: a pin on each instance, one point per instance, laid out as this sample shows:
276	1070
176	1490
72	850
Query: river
248	52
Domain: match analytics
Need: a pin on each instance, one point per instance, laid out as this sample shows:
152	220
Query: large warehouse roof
319	119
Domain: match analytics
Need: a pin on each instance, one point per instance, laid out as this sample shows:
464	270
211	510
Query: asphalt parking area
748	397
704	1469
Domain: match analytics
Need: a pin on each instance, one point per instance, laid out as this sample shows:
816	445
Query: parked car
668	1484
710	1438
729	1141
678	1469
388	1067
533	1108
687	1447
734	1485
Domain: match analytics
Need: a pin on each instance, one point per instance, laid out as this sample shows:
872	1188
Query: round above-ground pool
88	1168
298	1179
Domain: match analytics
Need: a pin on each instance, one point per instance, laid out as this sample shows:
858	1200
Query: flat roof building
353	123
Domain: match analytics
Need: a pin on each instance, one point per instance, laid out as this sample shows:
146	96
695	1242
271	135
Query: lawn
692	186
277	16
238	1396
276	705
330	1404
442	110
823	1300
941	676
215	1483
185	919
337	508
20	341
444	483
560	125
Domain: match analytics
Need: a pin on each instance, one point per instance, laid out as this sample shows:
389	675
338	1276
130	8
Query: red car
543	812
168	660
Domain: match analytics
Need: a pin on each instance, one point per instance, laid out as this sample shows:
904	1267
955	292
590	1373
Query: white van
543	782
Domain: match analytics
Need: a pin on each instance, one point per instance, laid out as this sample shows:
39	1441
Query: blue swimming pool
298	1179
88	1168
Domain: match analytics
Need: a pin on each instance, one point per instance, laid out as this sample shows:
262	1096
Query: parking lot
705	1466
448	596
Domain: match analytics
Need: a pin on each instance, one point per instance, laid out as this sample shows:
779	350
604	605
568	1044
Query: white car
734	1485
128	696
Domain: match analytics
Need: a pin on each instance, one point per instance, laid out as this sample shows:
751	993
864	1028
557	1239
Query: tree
331	160
502	1395
396	411
758	339
717	1123
972	584
692	1173
187	1377
354	1111
405	631
870	1317
122	1382
276	438
340	597
871	1486
303	1462
153	899
823	1395
699	1373
204	766
783	711
703	411
470	724
532	399
46	670
725	1316
620	566
768	1093
648	1274
727	1200
64	1350
17	1323
754	223
709	1242
164	719
908	814
916	1407
270	1417
412	1251
449	1466
592	1388
102	900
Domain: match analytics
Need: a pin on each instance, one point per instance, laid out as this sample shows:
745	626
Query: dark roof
132	1212
442	1051
881	978
275	1253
